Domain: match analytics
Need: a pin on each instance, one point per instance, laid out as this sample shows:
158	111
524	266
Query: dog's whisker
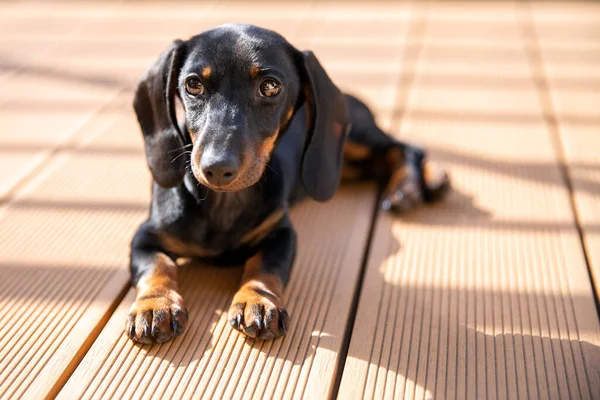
272	169
181	148
185	152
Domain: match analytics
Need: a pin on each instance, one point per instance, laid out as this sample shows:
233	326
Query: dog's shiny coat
264	127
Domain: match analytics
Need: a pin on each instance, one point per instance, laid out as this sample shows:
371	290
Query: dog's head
240	87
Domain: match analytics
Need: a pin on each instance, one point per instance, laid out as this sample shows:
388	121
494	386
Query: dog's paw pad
156	319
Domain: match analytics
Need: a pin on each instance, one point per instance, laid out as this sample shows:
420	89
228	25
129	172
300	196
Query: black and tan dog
264	127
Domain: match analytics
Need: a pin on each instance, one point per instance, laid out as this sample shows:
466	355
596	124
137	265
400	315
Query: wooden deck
488	295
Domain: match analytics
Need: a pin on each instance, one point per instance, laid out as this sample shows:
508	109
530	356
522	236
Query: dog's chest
211	228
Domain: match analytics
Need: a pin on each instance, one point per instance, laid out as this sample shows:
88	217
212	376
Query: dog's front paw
258	313
156	318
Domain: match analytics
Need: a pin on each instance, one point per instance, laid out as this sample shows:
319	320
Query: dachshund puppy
264	127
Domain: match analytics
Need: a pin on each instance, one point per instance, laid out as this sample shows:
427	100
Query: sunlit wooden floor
487	295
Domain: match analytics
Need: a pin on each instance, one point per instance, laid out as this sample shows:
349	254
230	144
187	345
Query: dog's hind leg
407	176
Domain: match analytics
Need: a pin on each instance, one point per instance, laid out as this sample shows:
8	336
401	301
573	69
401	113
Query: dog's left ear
328	125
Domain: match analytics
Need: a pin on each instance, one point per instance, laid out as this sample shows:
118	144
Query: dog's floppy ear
154	105
328	125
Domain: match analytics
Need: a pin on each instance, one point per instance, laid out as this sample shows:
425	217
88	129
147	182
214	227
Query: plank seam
416	30
354	305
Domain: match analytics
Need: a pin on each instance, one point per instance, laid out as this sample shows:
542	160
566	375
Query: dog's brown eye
269	88
194	86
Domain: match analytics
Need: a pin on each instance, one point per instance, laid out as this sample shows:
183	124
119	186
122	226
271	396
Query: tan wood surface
488	294
485	296
570	67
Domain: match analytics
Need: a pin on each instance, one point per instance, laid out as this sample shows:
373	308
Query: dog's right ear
154	105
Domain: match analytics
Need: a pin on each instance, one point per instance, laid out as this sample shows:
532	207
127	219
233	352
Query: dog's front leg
158	313
258	308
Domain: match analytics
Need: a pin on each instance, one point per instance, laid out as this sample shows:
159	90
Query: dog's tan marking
353	151
289	115
434	175
158	313
350	173
254	70
162	276
267	145
399	176
263	229
257	307
253	277
395	158
206	72
186	249
193	135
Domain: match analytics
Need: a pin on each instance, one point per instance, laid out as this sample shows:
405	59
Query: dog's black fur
225	179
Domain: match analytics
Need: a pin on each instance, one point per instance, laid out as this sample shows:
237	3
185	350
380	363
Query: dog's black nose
220	171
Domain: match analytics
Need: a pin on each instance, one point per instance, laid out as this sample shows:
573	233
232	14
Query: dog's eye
194	87
269	88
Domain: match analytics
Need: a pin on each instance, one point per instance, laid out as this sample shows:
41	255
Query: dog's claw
283	317
174	326
251	331
131	332
236	321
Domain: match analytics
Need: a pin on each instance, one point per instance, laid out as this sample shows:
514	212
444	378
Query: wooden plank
583	163
571	66
65	242
212	360
486	295
488	292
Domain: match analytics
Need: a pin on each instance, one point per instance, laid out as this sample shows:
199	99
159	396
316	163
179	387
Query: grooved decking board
583	161
569	47
486	295
65	240
211	359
